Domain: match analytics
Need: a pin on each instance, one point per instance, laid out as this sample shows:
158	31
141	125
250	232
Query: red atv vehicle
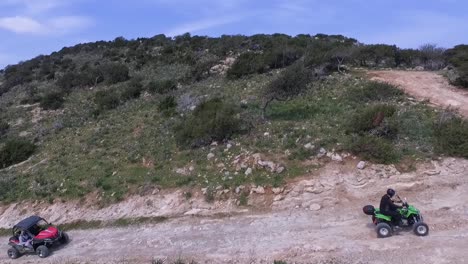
44	236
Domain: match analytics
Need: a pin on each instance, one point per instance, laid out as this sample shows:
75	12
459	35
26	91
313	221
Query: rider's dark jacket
387	205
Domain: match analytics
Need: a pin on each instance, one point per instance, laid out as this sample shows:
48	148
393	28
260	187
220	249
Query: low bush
4	127
168	105
213	120
374	91
451	137
15	151
114	73
374	119
52	101
132	90
106	100
162	86
247	63
373	148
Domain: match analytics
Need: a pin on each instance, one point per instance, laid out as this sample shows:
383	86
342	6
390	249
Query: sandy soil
426	85
316	218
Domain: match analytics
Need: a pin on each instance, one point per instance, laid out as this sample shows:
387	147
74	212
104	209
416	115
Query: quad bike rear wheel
13	253
383	230
421	229
42	251
64	239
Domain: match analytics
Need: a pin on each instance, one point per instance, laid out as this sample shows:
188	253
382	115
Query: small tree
4	126
52	101
433	56
15	151
212	120
247	63
292	82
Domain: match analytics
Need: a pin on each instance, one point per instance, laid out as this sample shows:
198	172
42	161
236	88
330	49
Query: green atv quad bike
410	217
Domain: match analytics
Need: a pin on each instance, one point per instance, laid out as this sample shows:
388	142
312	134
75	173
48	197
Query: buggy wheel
383	230
421	229
42	251
64	239
13	253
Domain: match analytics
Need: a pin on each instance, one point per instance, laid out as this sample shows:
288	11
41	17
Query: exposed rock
239	189
210	156
277	190
259	190
194	211
248	171
419	68
182	171
309	146
229	146
315	207
361	165
278	198
266	134
337	157
280	169
432	172
322	153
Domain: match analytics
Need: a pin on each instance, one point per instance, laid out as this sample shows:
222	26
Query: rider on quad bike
389	208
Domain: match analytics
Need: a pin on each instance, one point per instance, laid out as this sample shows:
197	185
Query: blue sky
32	27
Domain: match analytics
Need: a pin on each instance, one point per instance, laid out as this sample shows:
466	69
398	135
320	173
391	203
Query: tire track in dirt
426	86
291	232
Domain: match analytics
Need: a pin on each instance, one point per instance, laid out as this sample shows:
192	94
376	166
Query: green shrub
373	148
213	120
114	73
247	63
280	58
458	57
292	81
374	119
4	127
106	100
52	101
162	86
374	91
243	199
133	90
15	151
452	137
168	105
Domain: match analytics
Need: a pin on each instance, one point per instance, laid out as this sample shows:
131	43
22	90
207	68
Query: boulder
315	207
361	165
210	156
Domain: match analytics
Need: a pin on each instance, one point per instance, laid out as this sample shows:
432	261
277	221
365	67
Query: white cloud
35	6
19	24
57	25
200	25
65	24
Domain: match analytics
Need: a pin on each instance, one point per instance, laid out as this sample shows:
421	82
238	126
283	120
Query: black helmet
391	192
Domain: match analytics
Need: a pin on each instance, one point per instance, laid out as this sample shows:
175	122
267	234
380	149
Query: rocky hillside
129	116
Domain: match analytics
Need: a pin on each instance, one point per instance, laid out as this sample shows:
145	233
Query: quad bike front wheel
383	230
421	229
13	253
42	251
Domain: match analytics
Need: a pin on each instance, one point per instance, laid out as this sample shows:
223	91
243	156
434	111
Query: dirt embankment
314	218
426	86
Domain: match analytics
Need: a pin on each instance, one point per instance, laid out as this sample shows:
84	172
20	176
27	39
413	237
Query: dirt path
317	218
426	85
